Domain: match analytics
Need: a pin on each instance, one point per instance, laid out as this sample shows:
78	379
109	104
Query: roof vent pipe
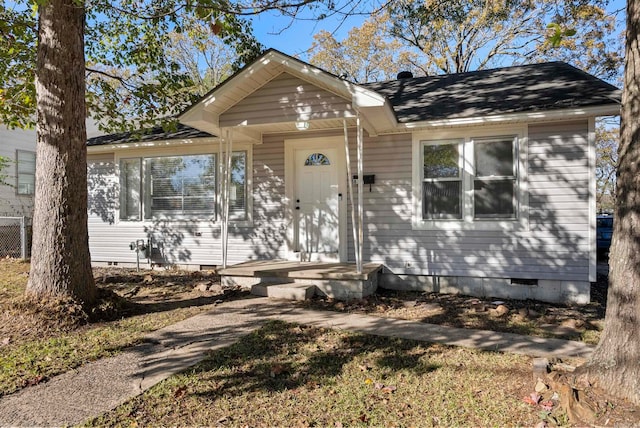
405	75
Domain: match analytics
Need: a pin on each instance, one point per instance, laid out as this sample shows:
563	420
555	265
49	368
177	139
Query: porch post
354	221
226	178
220	180
360	195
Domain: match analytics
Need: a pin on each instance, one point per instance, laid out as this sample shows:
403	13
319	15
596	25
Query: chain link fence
15	237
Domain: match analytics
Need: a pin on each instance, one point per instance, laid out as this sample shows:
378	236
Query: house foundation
565	292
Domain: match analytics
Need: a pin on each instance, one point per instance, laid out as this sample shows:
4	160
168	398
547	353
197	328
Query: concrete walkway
97	387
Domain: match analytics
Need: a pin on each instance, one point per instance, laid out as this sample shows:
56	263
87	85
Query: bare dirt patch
581	323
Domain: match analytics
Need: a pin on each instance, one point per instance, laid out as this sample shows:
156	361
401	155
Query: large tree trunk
615	364
60	261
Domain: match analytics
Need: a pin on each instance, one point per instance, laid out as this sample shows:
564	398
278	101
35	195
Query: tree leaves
460	35
365	55
558	33
17	61
132	81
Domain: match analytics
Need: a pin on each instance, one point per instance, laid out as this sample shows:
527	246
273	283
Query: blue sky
295	37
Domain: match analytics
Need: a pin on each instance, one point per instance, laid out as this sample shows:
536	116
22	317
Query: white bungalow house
481	183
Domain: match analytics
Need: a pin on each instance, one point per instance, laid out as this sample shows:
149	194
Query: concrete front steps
282	279
286	290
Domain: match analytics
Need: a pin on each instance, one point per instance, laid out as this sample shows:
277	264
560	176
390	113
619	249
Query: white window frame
512	177
467	136
18	173
453	142
210	149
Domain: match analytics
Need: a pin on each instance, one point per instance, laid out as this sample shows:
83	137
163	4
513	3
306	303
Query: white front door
316	202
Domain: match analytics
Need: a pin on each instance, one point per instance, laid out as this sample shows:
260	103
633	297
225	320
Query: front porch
301	280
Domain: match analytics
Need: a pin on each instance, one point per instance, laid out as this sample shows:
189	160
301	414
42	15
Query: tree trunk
60	261
615	364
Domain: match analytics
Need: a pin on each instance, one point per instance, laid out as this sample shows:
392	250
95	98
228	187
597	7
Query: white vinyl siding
286	98
554	245
180	239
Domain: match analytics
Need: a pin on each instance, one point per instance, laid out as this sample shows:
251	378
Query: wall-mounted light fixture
302	126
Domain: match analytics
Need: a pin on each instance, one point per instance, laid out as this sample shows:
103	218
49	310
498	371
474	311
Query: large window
179	186
25	172
467	180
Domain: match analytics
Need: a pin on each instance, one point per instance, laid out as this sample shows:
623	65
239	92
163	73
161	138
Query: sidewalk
97	387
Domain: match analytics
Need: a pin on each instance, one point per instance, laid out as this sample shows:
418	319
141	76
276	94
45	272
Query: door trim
290	145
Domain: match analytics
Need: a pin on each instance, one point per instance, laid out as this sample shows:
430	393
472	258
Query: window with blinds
442	180
180	187
469	178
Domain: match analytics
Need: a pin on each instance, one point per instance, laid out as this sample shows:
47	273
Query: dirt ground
155	289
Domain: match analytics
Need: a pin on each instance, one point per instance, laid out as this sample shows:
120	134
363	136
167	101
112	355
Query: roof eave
530	116
368	102
112	147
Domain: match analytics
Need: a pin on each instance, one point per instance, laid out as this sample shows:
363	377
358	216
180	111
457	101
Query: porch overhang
375	110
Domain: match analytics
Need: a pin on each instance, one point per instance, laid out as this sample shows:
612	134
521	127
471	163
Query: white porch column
354	215
225	163
360	194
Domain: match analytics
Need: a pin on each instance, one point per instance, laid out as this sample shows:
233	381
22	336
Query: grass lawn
38	344
290	375
283	374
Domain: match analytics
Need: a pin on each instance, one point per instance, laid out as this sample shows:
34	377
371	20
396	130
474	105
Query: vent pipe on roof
404	75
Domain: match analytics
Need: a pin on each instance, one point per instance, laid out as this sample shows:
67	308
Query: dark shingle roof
535	87
154	134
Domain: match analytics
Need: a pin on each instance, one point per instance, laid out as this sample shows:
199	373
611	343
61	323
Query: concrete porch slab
301	270
339	281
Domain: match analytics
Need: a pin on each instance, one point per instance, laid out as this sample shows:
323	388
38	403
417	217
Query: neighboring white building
19	146
16	196
481	183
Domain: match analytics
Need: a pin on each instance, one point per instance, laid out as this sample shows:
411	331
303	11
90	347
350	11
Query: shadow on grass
281	356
